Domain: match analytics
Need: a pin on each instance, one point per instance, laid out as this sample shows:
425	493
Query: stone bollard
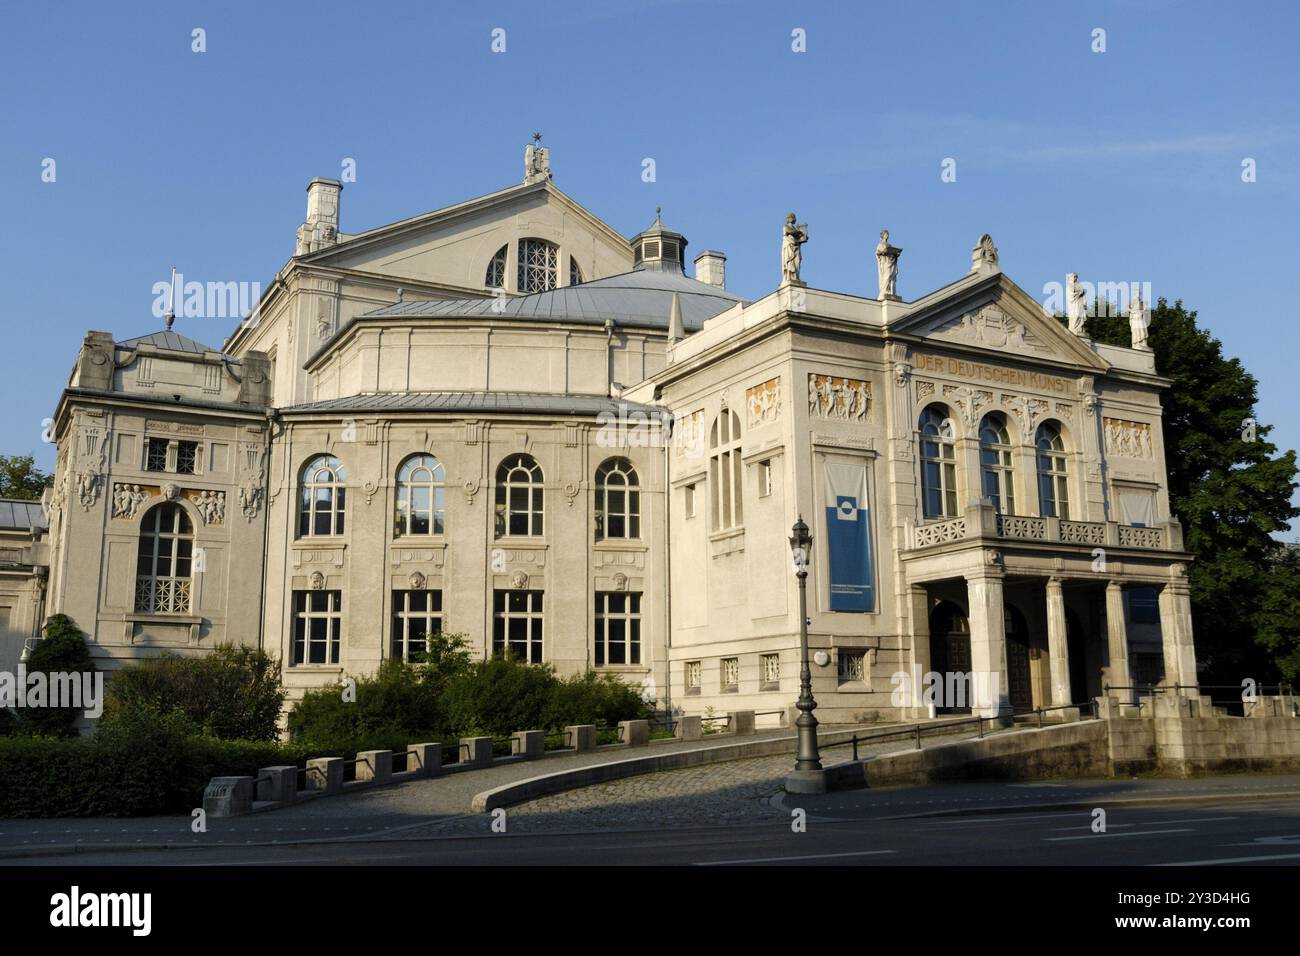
581	737
325	774
634	733
529	744
742	722
375	766
690	728
279	784
477	751
228	797
425	759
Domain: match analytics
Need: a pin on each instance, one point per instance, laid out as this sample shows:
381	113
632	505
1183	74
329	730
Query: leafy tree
1232	490
20	478
62	650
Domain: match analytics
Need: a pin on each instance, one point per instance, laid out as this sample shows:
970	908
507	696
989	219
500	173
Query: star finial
537	137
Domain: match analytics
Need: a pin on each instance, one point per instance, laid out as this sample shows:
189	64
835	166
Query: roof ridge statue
887	266
793	236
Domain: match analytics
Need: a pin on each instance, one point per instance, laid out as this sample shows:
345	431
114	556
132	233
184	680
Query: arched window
164	561
537	265
496	270
997	477
938	464
520	496
575	272
618	500
725	471
324	497
419	496
1053	489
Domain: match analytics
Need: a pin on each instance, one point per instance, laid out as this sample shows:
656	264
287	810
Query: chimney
711	267
675	331
321	229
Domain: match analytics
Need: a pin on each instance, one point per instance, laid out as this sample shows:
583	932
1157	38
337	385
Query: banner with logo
848	534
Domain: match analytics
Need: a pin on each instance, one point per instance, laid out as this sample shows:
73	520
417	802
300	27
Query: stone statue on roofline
793	236
1075	305
1138	323
887	266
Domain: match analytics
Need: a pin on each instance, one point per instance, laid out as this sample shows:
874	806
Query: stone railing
983	521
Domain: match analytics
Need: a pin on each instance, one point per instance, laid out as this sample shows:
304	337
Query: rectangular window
770	668
517	624
317	621
694	676
731	673
416	616
187	456
764	478
618	628
155	454
689	495
1143	605
853	666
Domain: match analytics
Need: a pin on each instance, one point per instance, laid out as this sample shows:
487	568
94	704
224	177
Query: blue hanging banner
848	537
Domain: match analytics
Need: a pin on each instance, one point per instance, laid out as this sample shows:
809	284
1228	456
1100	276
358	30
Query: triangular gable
996	315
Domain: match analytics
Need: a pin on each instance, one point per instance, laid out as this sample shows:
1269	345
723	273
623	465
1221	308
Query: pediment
998	316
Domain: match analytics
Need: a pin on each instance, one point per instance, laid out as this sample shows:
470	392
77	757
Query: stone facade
404	436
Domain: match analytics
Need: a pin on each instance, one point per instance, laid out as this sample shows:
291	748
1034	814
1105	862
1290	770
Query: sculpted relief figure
1074	303
887	266
793	236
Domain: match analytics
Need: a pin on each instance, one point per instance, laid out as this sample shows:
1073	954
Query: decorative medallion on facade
519	580
317	581
1127	439
846	399
417	581
620	582
764	402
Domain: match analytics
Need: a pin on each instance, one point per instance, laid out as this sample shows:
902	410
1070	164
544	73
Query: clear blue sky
1122	166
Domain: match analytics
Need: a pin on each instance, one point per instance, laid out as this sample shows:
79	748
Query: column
1117	672
918	656
988	644
1176	632
1058	649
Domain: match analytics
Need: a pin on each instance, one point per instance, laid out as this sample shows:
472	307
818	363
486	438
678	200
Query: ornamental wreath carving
846	399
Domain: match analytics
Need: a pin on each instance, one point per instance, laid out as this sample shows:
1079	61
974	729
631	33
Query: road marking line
785	859
1234	859
1093	836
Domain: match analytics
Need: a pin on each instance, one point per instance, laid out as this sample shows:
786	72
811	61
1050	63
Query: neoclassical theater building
507	420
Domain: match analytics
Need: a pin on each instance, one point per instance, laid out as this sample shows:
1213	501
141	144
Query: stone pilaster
988	643
1058	652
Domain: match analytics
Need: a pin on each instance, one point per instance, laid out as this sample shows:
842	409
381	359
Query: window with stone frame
517	619
187	457
322	504
520	497
155	457
419	500
495	277
770	671
164	561
1053	484
618	500
694	676
938	463
575	272
537	265
725	472
317	627
997	472
417	615
618	628
730	674
852	666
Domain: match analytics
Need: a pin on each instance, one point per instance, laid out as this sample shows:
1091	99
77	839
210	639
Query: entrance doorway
949	650
1020	688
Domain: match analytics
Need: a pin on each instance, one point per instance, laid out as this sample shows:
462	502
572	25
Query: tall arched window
324	497
938	463
520	497
997	476
537	265
1053	489
419	496
163	562
575	272
725	471
618	500
496	270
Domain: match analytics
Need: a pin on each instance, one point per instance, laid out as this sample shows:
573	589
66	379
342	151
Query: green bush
498	696
61	650
593	698
232	693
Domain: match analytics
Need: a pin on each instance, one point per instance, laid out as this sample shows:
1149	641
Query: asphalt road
1212	831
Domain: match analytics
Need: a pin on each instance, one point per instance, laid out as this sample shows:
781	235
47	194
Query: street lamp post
808	776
